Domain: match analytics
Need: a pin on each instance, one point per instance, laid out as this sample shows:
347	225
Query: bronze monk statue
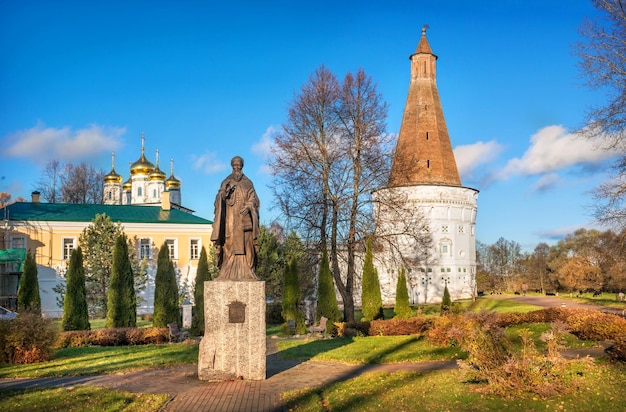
236	226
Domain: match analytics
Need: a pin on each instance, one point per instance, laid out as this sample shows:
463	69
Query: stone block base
233	345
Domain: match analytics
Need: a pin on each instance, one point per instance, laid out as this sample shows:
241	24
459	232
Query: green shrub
113	337
446	302
28	298
121	299
28	338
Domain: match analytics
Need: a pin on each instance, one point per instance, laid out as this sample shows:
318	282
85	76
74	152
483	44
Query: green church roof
70	212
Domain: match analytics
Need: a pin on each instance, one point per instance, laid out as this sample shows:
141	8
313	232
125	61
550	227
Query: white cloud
547	181
263	147
208	163
551	149
42	144
470	157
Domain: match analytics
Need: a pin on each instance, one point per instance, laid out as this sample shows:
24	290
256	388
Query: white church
425	178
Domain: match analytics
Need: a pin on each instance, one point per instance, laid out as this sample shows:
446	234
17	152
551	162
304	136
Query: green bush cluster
113	337
28	338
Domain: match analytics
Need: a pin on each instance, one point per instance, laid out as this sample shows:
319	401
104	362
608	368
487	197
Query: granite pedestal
233	345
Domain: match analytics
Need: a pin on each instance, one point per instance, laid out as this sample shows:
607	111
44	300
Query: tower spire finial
112	160
172	167
157	157
424	28
143	140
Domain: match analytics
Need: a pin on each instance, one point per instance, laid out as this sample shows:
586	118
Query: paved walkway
190	394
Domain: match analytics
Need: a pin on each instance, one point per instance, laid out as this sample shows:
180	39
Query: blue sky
209	80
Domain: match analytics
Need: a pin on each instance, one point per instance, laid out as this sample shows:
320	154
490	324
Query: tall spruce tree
28	298
203	274
75	313
371	299
122	302
165	291
403	307
326	298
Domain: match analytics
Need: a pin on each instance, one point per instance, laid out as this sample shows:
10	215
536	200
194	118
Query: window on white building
139	191
461	229
145	249
68	246
171	246
194	249
444	229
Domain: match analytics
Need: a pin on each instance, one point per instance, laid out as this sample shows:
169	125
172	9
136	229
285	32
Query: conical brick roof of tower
423	153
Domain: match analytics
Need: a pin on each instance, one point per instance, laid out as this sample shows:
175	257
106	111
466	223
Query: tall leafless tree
602	60
330	155
71	183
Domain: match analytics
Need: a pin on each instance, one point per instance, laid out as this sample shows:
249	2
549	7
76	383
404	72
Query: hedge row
113	337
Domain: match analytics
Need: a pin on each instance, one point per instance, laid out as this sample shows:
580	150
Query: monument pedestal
233	345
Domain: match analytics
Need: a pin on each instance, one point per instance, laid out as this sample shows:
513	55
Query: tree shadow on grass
306	351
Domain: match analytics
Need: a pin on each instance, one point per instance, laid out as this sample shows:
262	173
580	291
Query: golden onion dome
112	177
128	185
172	183
157	174
141	166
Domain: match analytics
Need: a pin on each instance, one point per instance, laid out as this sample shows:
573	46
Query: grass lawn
105	359
80	398
373	349
600	387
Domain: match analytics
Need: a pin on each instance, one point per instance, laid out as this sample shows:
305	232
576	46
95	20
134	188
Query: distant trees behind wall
70	183
586	260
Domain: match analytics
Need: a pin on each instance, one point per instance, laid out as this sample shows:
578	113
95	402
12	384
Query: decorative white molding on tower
425	177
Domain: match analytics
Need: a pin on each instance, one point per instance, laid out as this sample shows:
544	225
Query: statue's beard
237	175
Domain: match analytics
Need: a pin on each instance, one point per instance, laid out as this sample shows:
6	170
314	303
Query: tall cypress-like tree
28	298
326	298
291	291
371	299
75	314
403	307
292	295
165	291
446	302
203	274
122	302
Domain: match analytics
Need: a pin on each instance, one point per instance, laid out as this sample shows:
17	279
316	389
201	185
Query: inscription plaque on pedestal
236	312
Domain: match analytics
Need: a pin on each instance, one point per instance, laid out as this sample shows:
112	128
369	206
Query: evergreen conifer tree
326	298
202	274
446	302
371	299
28	298
165	291
122	302
403	307
75	313
292	296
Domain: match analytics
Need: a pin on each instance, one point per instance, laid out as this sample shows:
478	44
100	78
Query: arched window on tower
428	164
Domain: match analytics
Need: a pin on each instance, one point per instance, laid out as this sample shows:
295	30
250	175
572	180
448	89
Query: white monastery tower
425	177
